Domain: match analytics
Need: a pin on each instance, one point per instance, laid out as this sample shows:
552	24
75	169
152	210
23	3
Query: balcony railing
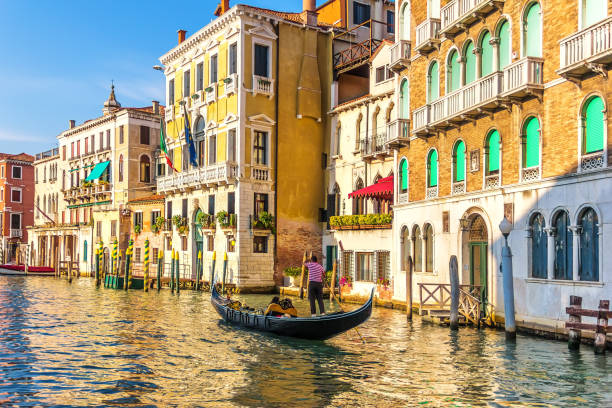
231	84
459	14
530	174
260	173
374	146
263	85
48	153
211	175
432	192
593	45
524	78
592	161
97	192
459	188
491	181
398	133
400	55
16	233
427	35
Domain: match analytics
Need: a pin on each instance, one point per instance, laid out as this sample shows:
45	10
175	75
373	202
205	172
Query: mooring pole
510	325
224	269
454	282
602	327
146	266
198	265
302	276
172	271
212	271
332	285
409	266
177	273
160	266
97	267
100	262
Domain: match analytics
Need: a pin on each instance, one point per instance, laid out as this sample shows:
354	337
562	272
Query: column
551	232
576	230
494	41
461	61
478	54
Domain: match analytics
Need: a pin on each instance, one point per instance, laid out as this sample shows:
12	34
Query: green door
478	268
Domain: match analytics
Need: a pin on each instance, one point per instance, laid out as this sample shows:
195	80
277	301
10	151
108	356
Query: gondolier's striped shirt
315	272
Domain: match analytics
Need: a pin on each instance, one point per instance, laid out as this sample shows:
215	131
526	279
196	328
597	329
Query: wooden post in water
302	277
332	285
574	334
126	268
454	282
69	267
224	270
160	268
409	266
102	273
146	266
177	273
602	327
212	271
198	266
97	267
308	274
171	284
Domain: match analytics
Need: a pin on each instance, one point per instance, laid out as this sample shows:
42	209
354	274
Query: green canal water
67	344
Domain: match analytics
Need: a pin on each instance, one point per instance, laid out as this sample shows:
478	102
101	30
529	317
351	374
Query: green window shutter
594	126
434	82
593	11
533	37
460	162
493	159
454	77
404	175
470	64
486	56
433	169
404	99
532	144
504	45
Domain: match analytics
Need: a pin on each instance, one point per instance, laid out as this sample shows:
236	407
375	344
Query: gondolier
315	285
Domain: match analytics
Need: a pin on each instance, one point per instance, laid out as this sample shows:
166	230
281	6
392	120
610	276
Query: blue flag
193	159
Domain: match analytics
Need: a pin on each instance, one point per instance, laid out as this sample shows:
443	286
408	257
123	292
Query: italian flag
162	144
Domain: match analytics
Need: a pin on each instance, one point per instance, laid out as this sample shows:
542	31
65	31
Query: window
145	133
405	22
453	72
63	157
357	133
405	249
333	202
211	204
213	69
121	168
403	176
78	145
137	255
531	143
71	155
16	172
155	253
261	60
433	86
138	219
154	215
593	11
93	143
405	99
15	195
101	139
589	246
231	203
429	246
185	157
593	124
361	13
486	55
532	31
86	145
390	22
186	83
15	221
539	247
121	134
98	228
358	203
183	242
432	169
365	267
145	169
381	74
563	246
418	249
337	149
168	243
114	228
184	207
169	210
200	76
210	243
260	245
231	244
233	59
231	145
261	204
108	137
459	162
383	266
161	167
504	45
492	153
470	63
260	148
171	92
212	150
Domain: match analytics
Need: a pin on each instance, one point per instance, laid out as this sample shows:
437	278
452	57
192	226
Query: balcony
47	154
211	93
530	174
398	133
432	192
263	85
375	147
16	233
427	38
459	188
587	51
260	173
457	15
400	56
86	194
524	79
592	161
491	181
231	84
221	173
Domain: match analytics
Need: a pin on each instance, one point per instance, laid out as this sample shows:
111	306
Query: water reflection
73	344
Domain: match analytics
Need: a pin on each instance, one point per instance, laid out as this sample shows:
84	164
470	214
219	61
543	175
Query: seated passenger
280	308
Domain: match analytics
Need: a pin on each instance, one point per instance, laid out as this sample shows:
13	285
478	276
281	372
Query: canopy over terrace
381	194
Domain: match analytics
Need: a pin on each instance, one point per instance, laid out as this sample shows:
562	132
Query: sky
59	58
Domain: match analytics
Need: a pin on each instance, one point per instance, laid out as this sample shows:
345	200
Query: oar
342	308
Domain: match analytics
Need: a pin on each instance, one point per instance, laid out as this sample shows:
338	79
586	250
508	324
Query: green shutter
532	144
493	143
593	11
404	100
433	168
84	251
454	80
594	126
470	64
486	57
460	162
504	45
434	81
533	37
404	175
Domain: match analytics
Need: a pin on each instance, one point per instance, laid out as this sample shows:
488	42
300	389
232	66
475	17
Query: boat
312	328
19	270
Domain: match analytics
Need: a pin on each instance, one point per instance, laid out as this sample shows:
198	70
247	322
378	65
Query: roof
293	17
380	47
19	157
148	109
148	199
343	104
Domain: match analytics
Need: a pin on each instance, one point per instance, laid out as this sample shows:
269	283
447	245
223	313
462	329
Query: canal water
67	344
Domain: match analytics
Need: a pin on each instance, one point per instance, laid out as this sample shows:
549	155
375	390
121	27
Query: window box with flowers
361	222
206	221
181	224
159	224
226	221
264	222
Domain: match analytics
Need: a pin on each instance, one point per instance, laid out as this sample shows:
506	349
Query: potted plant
293	273
384	289
346	284
265	221
159	224
195	96
137	229
183	229
207	221
223	218
209	89
177	220
227	80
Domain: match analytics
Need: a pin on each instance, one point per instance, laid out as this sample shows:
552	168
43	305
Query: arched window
121	168
492	153
459	162
453	72
531	143
405	23
418	249
532	31
503	33
563	246
470	63
337	199
486	55
200	140
433	8
403	176
145	169
338	134
405	248
593	126
432	169
433	82
358	132
539	247
358	203
404	100
589	246
593	11
429	245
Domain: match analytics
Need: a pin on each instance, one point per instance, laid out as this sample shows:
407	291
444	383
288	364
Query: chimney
181	36
71	123
309	12
222	8
156	107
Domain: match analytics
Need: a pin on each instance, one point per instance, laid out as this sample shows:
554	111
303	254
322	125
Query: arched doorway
476	244
198	239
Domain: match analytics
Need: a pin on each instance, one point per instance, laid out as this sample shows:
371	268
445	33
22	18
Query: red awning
382	189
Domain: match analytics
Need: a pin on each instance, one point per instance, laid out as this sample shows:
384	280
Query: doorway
198	240
478	250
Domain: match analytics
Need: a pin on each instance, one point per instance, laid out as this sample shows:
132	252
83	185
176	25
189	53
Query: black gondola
313	328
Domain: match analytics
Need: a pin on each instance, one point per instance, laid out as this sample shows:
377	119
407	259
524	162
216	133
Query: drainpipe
277	32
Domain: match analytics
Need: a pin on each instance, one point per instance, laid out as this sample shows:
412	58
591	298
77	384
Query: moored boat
19	270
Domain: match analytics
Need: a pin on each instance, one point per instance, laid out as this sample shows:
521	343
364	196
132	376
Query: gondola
313	328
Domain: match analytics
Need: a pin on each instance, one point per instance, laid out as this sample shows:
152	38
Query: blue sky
59	57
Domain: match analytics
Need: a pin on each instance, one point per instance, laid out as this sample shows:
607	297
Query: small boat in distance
19	270
313	328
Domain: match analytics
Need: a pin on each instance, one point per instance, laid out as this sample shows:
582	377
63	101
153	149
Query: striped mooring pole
146	266
224	270
212	271
177	274
97	267
101	273
172	271
198	266
160	267
130	272
113	263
